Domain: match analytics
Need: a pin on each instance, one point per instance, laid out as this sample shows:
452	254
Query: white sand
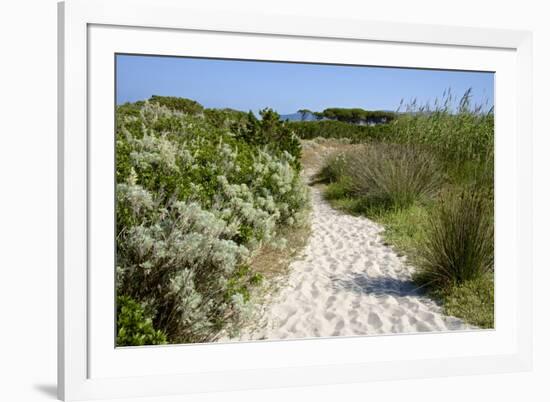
349	283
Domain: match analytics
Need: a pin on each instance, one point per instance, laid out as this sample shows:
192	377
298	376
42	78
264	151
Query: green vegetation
308	130
472	300
405	228
134	328
199	192
227	118
461	138
183	105
270	130
428	178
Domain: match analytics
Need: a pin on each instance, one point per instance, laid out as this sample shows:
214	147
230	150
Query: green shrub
134	328
339	190
459	241
391	175
333	169
225	118
270	132
183	105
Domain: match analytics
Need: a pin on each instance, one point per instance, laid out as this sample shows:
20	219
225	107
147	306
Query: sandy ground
347	282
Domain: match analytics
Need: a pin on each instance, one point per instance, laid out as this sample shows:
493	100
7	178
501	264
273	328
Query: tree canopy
357	115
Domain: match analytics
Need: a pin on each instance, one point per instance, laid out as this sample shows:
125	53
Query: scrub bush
271	132
195	199
133	327
333	169
183	105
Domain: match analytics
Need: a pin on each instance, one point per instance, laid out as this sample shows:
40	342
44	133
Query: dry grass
272	261
391	175
316	151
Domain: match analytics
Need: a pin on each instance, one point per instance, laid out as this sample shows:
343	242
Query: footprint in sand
375	321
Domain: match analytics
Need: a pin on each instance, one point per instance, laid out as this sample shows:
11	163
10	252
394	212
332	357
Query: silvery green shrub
177	263
194	202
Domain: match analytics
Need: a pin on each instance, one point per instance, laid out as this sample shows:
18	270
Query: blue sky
287	87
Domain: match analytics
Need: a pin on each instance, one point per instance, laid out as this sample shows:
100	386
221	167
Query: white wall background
28	198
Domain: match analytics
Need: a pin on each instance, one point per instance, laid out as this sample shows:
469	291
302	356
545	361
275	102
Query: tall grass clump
459	244
391	175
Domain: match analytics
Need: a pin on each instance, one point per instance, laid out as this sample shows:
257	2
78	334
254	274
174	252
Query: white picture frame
91	32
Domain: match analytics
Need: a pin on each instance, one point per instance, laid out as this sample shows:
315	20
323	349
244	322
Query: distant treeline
351	115
308	130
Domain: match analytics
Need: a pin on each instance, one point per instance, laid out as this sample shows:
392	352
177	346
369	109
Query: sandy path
349	283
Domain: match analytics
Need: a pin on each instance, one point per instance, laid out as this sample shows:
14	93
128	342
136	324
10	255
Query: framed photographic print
259	201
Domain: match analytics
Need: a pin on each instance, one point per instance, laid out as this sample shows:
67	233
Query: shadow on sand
379	286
